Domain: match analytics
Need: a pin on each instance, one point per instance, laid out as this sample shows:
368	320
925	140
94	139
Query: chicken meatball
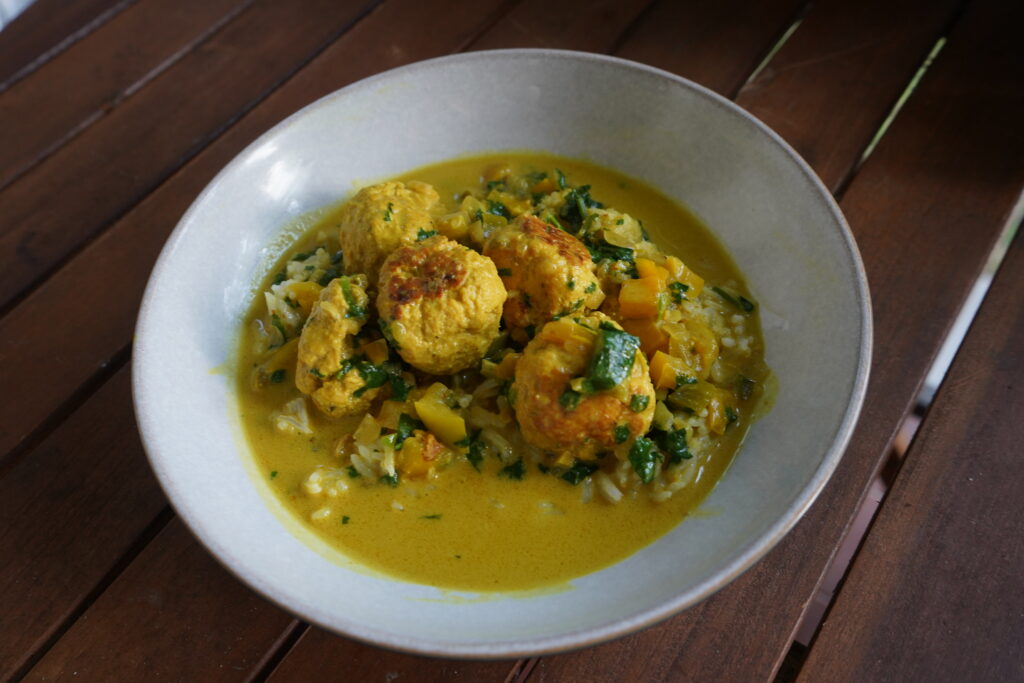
325	370
382	218
587	353
440	304
547	272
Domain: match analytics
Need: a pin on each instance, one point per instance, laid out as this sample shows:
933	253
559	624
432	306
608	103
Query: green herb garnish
406	426
514	471
273	474
644	457
353	473
390	479
678	291
474	448
277	376
344	519
425	234
578	472
355	310
389	212
614	355
621	433
638	402
737	300
430	517
570	399
505	272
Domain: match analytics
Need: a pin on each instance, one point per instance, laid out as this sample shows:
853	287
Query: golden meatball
326	345
440	304
382	218
547	272
553	416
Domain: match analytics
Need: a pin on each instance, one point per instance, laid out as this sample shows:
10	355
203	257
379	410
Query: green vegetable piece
570	399
731	415
571	284
505	272
514	471
737	300
591	288
430	517
273	474
406	426
328	275
424	234
389	213
279	278
344	519
579	471
275	320
277	376
354	309
614	355
562	184
674	444
644	457
353	473
474	452
638	402
678	291
391	480
621	433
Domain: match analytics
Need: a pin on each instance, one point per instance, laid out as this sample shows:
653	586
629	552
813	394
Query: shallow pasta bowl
759	198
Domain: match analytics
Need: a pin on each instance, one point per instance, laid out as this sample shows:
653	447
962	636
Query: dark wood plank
832	84
123	156
174	613
925	209
39	114
70	512
569	25
318	651
62	553
935	592
47	27
716	44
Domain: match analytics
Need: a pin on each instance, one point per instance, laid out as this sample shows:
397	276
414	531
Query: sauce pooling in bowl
499	373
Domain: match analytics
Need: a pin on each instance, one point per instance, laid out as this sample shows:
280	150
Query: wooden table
115	113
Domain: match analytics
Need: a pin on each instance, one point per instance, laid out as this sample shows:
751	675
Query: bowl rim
572	640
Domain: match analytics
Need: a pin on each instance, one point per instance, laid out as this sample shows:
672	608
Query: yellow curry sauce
471	529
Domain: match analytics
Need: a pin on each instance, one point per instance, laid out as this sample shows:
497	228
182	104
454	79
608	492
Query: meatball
326	347
440	304
557	419
381	218
547	273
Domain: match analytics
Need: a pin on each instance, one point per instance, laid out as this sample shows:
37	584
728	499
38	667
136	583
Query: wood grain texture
593	26
716	44
925	209
835	80
63	554
318	651
38	115
935	592
174	613
45	28
67	515
125	155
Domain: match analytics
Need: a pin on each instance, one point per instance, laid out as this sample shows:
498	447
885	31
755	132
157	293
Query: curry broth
473	530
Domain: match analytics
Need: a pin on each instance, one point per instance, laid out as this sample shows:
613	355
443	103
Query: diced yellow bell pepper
496	172
678	271
368	431
376	351
651	337
445	423
640	298
305	295
705	344
507	368
665	369
390	412
420	454
543	186
568	334
645	267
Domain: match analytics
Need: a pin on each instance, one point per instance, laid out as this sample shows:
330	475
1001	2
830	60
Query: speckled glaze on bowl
763	202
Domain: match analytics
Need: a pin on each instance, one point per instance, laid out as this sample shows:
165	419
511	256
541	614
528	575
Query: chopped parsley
571	284
498	209
328	275
424	234
578	472
621	433
353	473
277	376
373	376
591	288
673	442
430	516
644	457
570	399
474	449
279	278
731	415
561	179
391	480
638	402
344	519
275	320
355	310
505	272
678	291
737	300
385	329
514	471
406	426
389	212
683	379
273	474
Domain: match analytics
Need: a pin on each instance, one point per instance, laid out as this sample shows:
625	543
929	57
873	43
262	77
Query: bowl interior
761	201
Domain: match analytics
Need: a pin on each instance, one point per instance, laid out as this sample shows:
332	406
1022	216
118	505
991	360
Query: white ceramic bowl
757	195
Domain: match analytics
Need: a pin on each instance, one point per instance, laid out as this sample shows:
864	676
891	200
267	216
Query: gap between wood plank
125	93
62	44
140	543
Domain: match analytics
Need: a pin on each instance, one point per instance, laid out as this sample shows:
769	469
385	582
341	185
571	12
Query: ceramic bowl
761	200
